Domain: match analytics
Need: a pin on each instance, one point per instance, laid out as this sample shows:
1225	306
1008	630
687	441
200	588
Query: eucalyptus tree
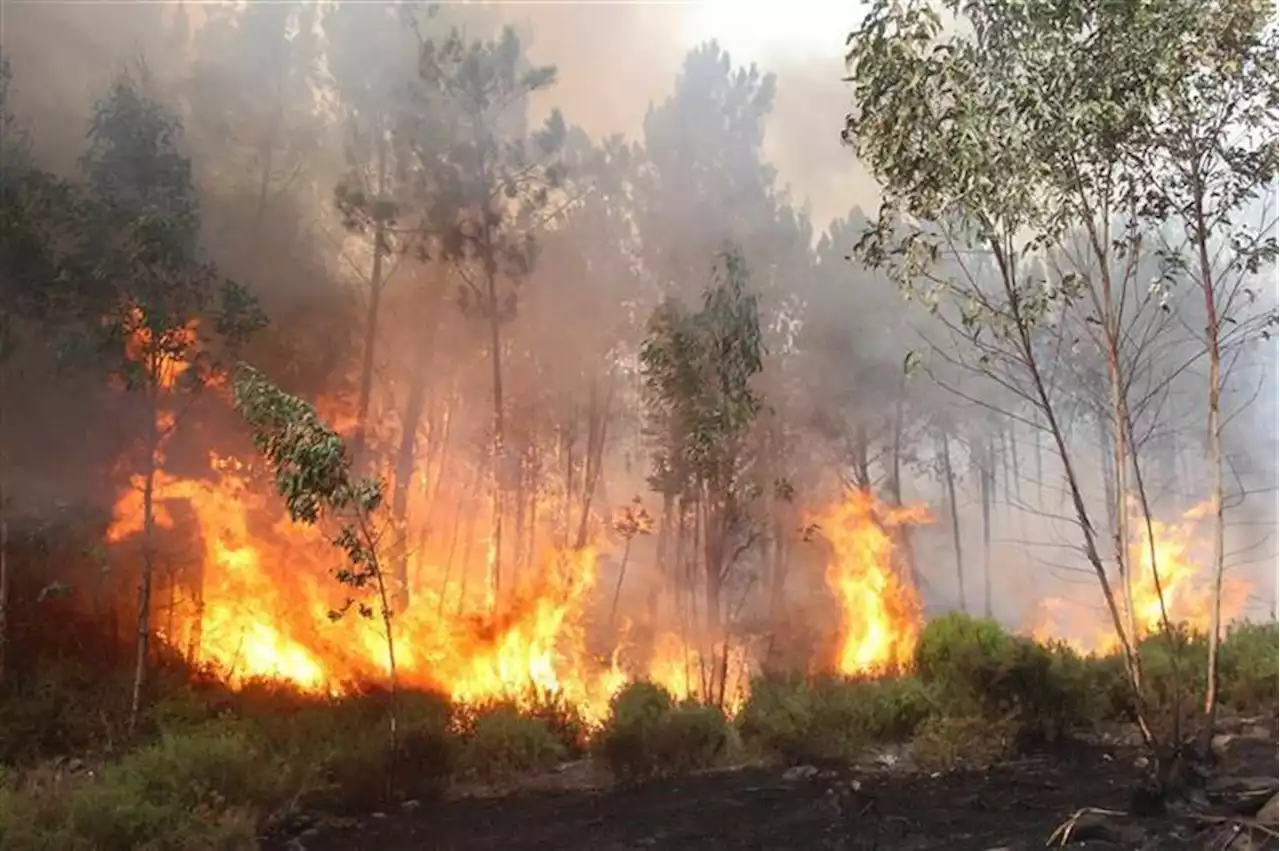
700	368
164	311
1209	163
992	143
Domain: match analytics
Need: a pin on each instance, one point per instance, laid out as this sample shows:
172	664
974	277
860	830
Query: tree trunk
1213	339
406	458
987	474
657	583
1120	468
494	582
375	299
148	562
617	589
597	425
861	460
949	478
568	439
1106	453
903	531
4	524
531	547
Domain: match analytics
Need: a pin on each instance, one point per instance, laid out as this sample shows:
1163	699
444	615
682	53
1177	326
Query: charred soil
1016	805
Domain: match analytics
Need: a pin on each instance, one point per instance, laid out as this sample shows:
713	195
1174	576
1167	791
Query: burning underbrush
259	603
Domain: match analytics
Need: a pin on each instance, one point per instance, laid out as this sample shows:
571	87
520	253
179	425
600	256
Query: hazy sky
615	59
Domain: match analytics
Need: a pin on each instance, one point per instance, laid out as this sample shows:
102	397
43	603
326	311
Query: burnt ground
1011	807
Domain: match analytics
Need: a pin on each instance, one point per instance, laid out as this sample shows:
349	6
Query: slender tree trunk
1132	662
1039	464
466	507
1013	460
1214	341
617	589
1106	454
406	463
4	524
376	283
987	476
861	460
531	551
148	560
495	342
657	583
903	531
1120	468
949	478
517	537
267	150
569	438
597	424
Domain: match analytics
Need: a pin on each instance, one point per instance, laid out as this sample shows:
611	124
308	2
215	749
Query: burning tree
699	368
500	182
160	307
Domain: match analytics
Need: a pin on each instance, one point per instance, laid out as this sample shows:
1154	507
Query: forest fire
1180	558
260	606
880	611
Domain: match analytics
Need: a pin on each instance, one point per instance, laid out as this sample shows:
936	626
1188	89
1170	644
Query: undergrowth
215	766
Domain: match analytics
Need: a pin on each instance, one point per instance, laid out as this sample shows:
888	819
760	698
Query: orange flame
880	611
261	609
1179	558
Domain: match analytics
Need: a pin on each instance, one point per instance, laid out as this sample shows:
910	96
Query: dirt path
1011	808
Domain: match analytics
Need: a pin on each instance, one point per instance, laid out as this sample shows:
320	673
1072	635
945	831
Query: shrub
204	791
503	743
976	669
831	718
946	740
648	735
348	742
563	719
1249	668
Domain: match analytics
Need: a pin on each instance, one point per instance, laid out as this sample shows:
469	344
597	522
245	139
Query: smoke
615	62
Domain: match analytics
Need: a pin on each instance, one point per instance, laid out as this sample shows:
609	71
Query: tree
162	309
506	184
370	58
313	473
1210	155
991	145
699	368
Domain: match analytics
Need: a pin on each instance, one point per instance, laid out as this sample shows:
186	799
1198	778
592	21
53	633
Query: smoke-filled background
493	360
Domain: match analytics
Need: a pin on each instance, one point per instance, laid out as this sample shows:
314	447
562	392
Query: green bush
944	741
503	743
976	669
1249	668
183	793
649	735
831	718
563	719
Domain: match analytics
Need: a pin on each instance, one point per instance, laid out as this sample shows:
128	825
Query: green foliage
944	741
313	474
699	370
975	668
648	734
203	791
501	742
796	720
142	225
1250	667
